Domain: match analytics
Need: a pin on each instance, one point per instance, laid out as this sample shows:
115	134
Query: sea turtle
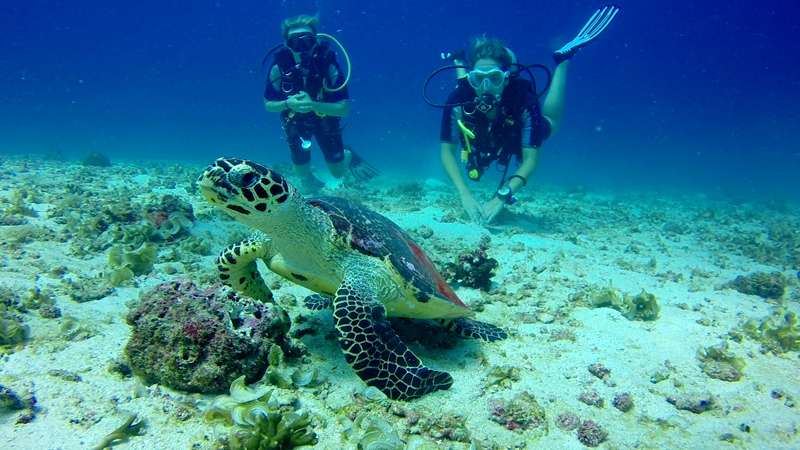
356	260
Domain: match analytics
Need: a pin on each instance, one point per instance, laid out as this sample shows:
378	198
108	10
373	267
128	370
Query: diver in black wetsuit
494	115
307	87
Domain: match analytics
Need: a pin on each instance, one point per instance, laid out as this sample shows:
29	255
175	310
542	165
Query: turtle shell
374	235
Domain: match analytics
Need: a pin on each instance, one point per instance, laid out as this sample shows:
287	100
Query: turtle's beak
212	184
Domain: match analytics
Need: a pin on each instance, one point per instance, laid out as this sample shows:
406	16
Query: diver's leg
329	138
553	106
301	158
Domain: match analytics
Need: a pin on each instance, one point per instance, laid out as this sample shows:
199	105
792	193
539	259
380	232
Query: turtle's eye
243	176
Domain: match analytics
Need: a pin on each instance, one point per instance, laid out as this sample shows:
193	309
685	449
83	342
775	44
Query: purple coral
200	340
592	398
623	401
599	370
567	421
591	434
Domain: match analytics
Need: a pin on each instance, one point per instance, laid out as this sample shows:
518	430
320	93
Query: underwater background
647	279
681	96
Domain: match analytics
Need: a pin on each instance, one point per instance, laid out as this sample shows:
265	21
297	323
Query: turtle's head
247	191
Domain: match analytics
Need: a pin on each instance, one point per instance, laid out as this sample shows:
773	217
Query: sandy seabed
552	246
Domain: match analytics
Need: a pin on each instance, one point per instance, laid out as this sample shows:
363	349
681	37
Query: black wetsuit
289	78
518	121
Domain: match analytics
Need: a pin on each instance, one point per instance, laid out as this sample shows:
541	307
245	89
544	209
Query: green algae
132	426
139	261
259	421
502	376
642	306
280	375
777	333
13	332
719	363
375	433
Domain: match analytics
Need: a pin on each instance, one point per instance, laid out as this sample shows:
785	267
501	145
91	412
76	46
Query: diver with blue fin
494	114
306	85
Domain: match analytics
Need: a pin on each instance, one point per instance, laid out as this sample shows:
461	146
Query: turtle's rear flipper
316	302
237	268
374	351
361	169
474	329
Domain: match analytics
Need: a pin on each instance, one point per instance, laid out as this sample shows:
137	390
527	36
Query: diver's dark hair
302	20
488	47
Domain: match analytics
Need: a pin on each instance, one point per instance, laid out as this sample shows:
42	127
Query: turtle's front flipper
237	268
474	329
317	302
374	351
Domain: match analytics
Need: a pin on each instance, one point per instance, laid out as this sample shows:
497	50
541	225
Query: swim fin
596	25
361	169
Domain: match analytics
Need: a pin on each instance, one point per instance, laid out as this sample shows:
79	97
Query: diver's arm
275	106
530	156
272	103
471	206
451	167
336	109
553	106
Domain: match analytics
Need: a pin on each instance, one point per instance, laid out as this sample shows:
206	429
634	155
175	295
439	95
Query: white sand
555	245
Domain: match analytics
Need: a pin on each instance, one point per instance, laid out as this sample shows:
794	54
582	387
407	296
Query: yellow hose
468	135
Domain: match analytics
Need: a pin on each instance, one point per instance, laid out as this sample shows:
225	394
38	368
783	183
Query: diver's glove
359	168
596	24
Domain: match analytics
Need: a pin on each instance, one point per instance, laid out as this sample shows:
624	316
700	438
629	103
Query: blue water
701	96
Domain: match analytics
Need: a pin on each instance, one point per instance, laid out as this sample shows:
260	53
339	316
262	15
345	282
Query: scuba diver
494	114
306	86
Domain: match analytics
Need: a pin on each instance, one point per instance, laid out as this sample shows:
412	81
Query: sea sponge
522	412
474	268
763	284
200	340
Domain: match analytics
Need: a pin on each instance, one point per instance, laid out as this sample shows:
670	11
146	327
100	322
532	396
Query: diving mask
491	80
301	42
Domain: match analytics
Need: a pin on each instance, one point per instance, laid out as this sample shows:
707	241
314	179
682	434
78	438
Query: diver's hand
300	103
471	206
492	209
